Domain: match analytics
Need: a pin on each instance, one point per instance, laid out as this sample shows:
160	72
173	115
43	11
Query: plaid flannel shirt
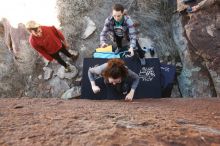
127	25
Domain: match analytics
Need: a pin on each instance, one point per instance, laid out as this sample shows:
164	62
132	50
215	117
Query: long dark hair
115	69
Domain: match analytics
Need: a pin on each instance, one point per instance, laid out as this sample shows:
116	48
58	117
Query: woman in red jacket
49	41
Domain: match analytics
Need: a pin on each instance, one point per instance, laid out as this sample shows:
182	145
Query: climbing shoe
74	57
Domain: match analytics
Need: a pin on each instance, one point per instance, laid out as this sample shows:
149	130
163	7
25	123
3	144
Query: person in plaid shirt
122	27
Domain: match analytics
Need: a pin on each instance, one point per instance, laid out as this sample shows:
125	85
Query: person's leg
140	51
118	43
57	57
67	53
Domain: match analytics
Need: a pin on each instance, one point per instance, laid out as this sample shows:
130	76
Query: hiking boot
74	57
143	61
67	69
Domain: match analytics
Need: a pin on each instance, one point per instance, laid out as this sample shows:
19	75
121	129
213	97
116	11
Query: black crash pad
149	85
168	74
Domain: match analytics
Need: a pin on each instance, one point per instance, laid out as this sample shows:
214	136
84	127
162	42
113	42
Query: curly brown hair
115	69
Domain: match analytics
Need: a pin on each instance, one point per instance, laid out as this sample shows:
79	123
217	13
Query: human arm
94	71
104	32
130	95
60	35
95	88
132	35
135	79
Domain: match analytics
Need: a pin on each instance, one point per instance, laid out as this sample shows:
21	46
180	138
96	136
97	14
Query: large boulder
203	33
12	83
16	40
198	37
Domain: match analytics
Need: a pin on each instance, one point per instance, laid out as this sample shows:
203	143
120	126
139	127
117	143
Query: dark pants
57	57
140	52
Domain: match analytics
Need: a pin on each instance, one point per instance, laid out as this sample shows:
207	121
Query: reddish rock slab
166	122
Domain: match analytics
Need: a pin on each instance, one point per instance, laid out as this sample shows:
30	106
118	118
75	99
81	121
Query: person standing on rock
122	27
49	41
117	74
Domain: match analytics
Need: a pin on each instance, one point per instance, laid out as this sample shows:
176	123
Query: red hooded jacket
49	43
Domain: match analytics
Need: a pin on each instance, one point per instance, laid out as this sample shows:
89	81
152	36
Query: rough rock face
203	32
190	42
11	82
193	80
199	50
16	40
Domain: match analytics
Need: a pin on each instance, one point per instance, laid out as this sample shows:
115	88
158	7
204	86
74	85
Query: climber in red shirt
49	41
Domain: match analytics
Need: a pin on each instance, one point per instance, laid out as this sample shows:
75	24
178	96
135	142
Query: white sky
21	11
